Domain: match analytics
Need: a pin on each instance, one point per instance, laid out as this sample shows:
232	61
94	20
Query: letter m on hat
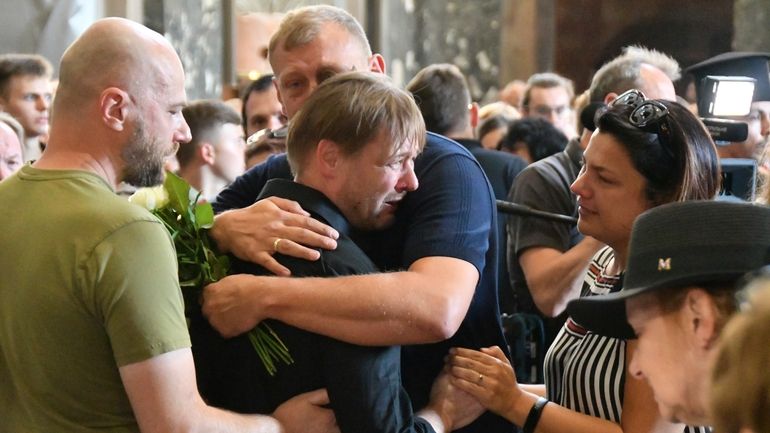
664	264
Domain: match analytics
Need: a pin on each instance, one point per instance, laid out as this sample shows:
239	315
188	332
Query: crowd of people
361	224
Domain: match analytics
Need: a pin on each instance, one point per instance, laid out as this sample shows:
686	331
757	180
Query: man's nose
408	181
274	122
183	134
42	103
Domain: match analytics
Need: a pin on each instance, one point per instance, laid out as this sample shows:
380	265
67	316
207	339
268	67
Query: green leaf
204	216
178	193
199	264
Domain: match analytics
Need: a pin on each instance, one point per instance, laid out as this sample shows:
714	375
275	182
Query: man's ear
114	107
328	157
473	108
702	318
207	153
377	63
610	97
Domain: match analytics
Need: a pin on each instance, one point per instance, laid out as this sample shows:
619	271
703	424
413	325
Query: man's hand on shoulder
253	233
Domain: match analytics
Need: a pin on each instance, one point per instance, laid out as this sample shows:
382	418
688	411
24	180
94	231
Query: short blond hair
301	26
351	109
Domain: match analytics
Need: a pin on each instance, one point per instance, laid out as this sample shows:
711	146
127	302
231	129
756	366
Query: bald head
114	52
650	71
655	84
124	84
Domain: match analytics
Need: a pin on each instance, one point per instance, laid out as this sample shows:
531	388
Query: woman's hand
486	375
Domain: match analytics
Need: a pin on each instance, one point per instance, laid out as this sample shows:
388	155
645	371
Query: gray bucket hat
677	245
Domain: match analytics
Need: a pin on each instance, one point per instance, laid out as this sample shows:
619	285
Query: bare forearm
379	309
425	304
557	419
554	278
220	421
536	389
164	399
556	286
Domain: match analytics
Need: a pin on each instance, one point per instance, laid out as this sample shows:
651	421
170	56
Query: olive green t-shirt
88	283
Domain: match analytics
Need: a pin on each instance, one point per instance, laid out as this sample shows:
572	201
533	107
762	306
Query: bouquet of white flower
176	206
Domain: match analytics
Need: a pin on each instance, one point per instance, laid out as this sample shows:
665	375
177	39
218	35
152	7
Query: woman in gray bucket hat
644	153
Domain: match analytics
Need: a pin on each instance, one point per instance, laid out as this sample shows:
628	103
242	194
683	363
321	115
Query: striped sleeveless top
585	372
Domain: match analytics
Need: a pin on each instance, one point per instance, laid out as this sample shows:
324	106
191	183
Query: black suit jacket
364	383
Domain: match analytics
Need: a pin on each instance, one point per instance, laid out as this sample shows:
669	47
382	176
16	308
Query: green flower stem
187	222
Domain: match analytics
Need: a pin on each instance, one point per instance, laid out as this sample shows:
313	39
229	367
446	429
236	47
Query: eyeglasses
648	115
280	134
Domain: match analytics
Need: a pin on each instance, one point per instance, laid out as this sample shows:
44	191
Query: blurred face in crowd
666	358
159	128
10	151
759	134
491	139
299	71
28	99
610	192
375	180
263	110
229	157
553	105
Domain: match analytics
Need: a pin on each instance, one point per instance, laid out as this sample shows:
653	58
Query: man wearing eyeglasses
548	96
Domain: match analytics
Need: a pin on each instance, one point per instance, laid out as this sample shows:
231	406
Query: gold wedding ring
275	244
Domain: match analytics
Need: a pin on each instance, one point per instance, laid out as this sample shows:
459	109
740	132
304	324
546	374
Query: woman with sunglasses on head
644	153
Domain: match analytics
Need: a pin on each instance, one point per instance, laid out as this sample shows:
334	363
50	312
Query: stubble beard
144	159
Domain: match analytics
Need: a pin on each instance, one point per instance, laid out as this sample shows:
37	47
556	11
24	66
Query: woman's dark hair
540	136
491	124
675	154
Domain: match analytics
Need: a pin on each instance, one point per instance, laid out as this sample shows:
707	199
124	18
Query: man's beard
143	157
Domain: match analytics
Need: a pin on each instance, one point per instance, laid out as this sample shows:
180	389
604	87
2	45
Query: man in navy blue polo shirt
442	246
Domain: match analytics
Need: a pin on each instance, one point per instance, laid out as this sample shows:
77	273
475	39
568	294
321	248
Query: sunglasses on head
646	111
647	115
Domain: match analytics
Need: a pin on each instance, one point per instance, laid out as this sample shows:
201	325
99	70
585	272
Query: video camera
720	100
725	86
